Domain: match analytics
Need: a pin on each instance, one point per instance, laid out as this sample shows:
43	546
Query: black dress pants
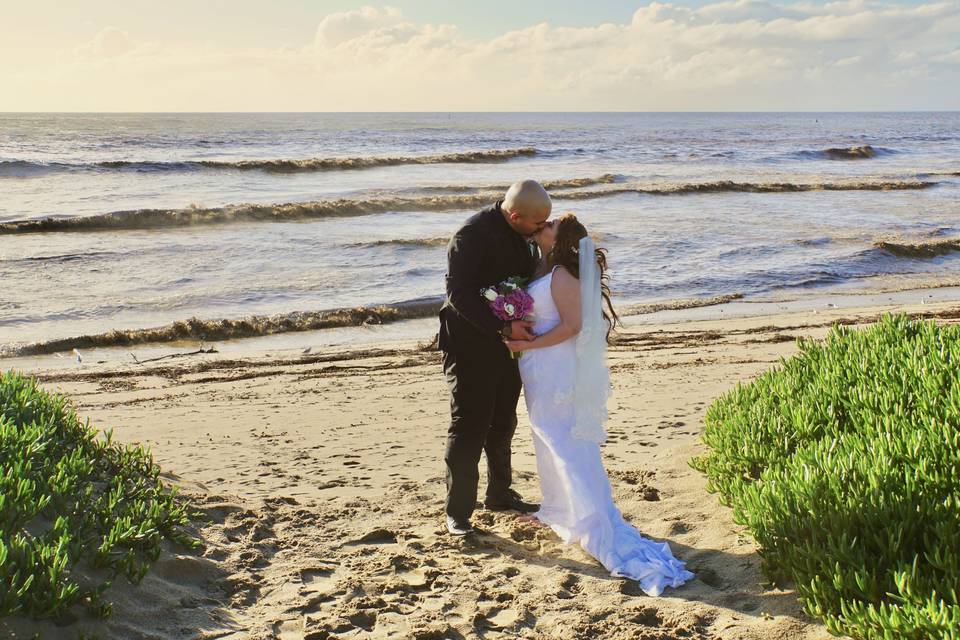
484	390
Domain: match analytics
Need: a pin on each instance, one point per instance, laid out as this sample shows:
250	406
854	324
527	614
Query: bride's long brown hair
566	253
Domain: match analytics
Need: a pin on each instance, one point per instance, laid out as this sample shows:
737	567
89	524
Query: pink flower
497	307
510	303
522	303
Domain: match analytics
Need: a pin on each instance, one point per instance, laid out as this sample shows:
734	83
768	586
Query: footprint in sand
364	619
288	630
524	531
648	617
317	580
377	536
415	579
503	618
497	620
569	586
678	528
708	577
438	603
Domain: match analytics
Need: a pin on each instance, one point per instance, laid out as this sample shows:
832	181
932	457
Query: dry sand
321	477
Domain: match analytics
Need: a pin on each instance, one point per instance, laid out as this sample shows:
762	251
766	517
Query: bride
566	384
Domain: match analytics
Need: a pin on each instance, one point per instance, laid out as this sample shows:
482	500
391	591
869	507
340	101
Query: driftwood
174	355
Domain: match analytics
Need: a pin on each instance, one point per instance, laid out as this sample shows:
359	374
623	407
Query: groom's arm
465	258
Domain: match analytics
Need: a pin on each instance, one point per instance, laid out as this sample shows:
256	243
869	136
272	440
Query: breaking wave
725	186
23	168
62	257
684	303
160	218
549	185
952	174
226	329
863	152
920	249
405	242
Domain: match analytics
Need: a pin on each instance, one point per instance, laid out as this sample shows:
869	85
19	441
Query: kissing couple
562	371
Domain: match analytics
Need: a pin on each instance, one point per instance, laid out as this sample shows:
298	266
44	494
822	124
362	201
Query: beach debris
79	357
173	355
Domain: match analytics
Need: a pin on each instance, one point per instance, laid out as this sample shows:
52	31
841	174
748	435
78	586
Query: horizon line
532	111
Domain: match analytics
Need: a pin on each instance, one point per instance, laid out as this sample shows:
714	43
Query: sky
495	55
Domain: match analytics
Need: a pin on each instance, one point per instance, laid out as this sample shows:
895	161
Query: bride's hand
517	346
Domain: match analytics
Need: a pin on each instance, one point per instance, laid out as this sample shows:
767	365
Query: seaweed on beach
232	329
844	463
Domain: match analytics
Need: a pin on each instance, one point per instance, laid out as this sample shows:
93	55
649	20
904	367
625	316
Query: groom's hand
520	330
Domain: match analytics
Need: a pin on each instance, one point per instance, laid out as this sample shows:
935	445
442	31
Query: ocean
234	225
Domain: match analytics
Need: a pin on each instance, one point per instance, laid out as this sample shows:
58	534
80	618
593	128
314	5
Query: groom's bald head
526	206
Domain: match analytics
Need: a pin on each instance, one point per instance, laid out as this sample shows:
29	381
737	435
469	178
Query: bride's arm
565	290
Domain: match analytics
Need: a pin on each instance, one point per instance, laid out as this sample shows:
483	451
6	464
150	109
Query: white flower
509	308
490	294
511	286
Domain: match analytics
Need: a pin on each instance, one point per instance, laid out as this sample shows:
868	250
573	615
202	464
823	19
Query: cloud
953	57
110	42
731	54
741	10
338	28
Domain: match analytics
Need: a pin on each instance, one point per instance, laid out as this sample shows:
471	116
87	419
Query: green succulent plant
73	505
844	463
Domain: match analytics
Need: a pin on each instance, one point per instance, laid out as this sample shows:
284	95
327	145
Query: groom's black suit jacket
483	252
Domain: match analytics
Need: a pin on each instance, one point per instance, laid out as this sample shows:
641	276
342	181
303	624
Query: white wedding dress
577	499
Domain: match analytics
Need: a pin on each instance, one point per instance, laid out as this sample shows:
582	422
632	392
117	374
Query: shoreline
420	330
321	477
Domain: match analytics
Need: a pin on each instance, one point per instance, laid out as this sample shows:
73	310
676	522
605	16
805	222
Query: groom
484	381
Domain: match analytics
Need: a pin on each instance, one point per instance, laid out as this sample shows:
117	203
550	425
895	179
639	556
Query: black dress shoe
510	501
458	526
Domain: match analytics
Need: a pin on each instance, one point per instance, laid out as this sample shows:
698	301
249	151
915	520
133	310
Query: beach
239	249
253	297
320	479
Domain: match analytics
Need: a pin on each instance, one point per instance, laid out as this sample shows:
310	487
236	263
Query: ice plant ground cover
76	509
844	462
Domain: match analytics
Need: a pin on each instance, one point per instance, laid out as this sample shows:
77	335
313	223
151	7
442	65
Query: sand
320	477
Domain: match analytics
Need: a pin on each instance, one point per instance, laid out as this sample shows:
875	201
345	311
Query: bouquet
508	301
